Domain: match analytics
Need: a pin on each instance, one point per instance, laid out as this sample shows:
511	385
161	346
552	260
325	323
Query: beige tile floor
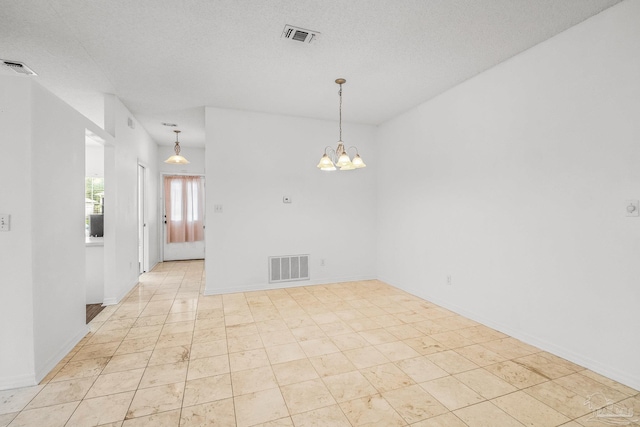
346	354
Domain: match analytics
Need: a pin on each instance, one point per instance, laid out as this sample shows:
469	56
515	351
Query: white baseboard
115	300
579	359
42	371
33	379
281	285
18	381
152	267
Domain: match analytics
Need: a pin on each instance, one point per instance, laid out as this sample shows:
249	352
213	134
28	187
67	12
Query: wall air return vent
288	268
299	34
18	67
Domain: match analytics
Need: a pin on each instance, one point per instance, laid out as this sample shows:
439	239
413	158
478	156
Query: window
93	199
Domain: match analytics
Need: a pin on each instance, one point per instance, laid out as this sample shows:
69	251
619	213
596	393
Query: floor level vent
288	268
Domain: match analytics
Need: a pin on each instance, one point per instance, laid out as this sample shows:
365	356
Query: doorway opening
94	201
184	217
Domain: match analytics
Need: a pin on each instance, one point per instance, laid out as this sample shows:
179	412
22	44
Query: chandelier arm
355	148
331	153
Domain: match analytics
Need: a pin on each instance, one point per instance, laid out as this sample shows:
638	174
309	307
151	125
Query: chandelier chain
177	146
340	93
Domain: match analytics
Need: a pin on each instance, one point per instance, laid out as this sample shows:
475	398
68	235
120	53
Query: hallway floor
346	354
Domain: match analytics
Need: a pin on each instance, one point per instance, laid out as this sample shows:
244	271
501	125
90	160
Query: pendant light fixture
177	159
339	157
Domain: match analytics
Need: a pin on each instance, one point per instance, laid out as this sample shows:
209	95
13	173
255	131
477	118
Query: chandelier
177	159
339	157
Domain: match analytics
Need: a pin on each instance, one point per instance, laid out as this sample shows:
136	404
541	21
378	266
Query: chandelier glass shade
339	158
177	159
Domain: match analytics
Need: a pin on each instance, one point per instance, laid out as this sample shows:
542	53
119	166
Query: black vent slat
18	67
300	36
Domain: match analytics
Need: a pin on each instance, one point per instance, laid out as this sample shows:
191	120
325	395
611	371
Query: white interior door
180	251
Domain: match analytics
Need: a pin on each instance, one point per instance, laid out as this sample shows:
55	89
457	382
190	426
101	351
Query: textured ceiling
167	59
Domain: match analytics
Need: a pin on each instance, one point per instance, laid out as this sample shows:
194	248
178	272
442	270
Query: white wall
147	155
514	183
42	306
17	366
42	313
252	161
58	168
94	158
130	146
94	277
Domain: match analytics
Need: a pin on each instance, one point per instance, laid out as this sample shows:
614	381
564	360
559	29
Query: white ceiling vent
18	67
299	34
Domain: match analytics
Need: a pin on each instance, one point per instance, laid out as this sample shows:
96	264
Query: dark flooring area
93	310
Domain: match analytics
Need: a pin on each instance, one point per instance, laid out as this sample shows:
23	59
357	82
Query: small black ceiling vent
299	34
18	67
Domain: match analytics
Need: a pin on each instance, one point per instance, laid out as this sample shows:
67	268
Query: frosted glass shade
177	159
343	160
357	162
326	164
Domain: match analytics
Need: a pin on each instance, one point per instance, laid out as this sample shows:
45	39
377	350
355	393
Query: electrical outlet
449	280
217	208
323	262
4	222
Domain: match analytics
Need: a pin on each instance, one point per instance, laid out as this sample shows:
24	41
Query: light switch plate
632	208
4	222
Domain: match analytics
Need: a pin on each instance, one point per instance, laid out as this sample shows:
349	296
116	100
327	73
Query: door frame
163	225
143	230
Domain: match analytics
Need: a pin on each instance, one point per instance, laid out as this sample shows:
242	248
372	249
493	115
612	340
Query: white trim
161	206
18	381
51	363
542	344
282	285
145	216
117	299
